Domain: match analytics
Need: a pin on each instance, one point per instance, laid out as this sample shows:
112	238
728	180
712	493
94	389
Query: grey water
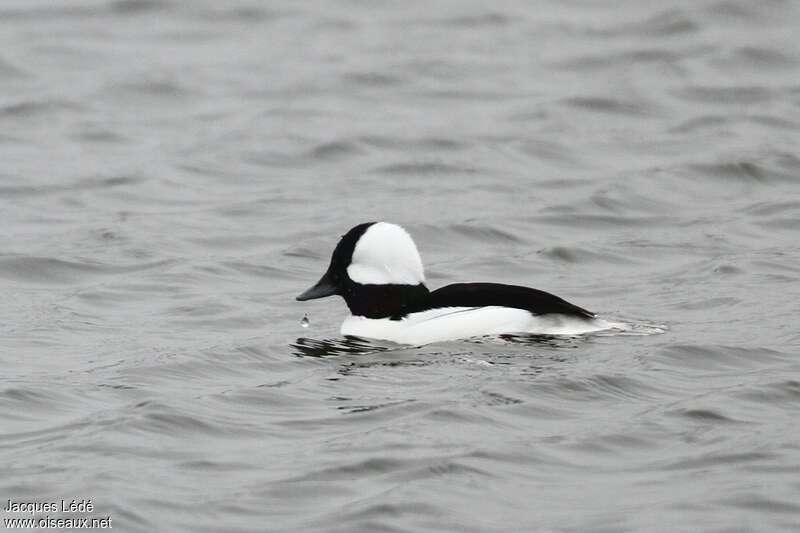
173	173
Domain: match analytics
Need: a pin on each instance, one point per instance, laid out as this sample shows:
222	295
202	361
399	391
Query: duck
377	269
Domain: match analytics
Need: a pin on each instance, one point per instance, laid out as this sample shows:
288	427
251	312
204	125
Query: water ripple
51	270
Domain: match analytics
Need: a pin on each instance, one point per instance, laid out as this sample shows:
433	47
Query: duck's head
377	269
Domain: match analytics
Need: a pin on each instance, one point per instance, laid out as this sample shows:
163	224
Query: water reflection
307	347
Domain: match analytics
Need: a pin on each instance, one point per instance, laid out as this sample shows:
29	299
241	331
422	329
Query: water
174	173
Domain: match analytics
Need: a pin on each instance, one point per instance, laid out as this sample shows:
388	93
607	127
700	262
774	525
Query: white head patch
385	254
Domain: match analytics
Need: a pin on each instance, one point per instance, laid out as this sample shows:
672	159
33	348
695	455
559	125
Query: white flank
453	323
385	254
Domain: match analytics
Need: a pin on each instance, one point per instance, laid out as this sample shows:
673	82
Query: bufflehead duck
377	269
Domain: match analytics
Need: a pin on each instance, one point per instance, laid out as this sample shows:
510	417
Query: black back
485	294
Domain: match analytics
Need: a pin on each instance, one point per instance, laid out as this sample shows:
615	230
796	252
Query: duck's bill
323	288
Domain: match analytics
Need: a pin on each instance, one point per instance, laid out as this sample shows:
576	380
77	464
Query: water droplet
304	322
